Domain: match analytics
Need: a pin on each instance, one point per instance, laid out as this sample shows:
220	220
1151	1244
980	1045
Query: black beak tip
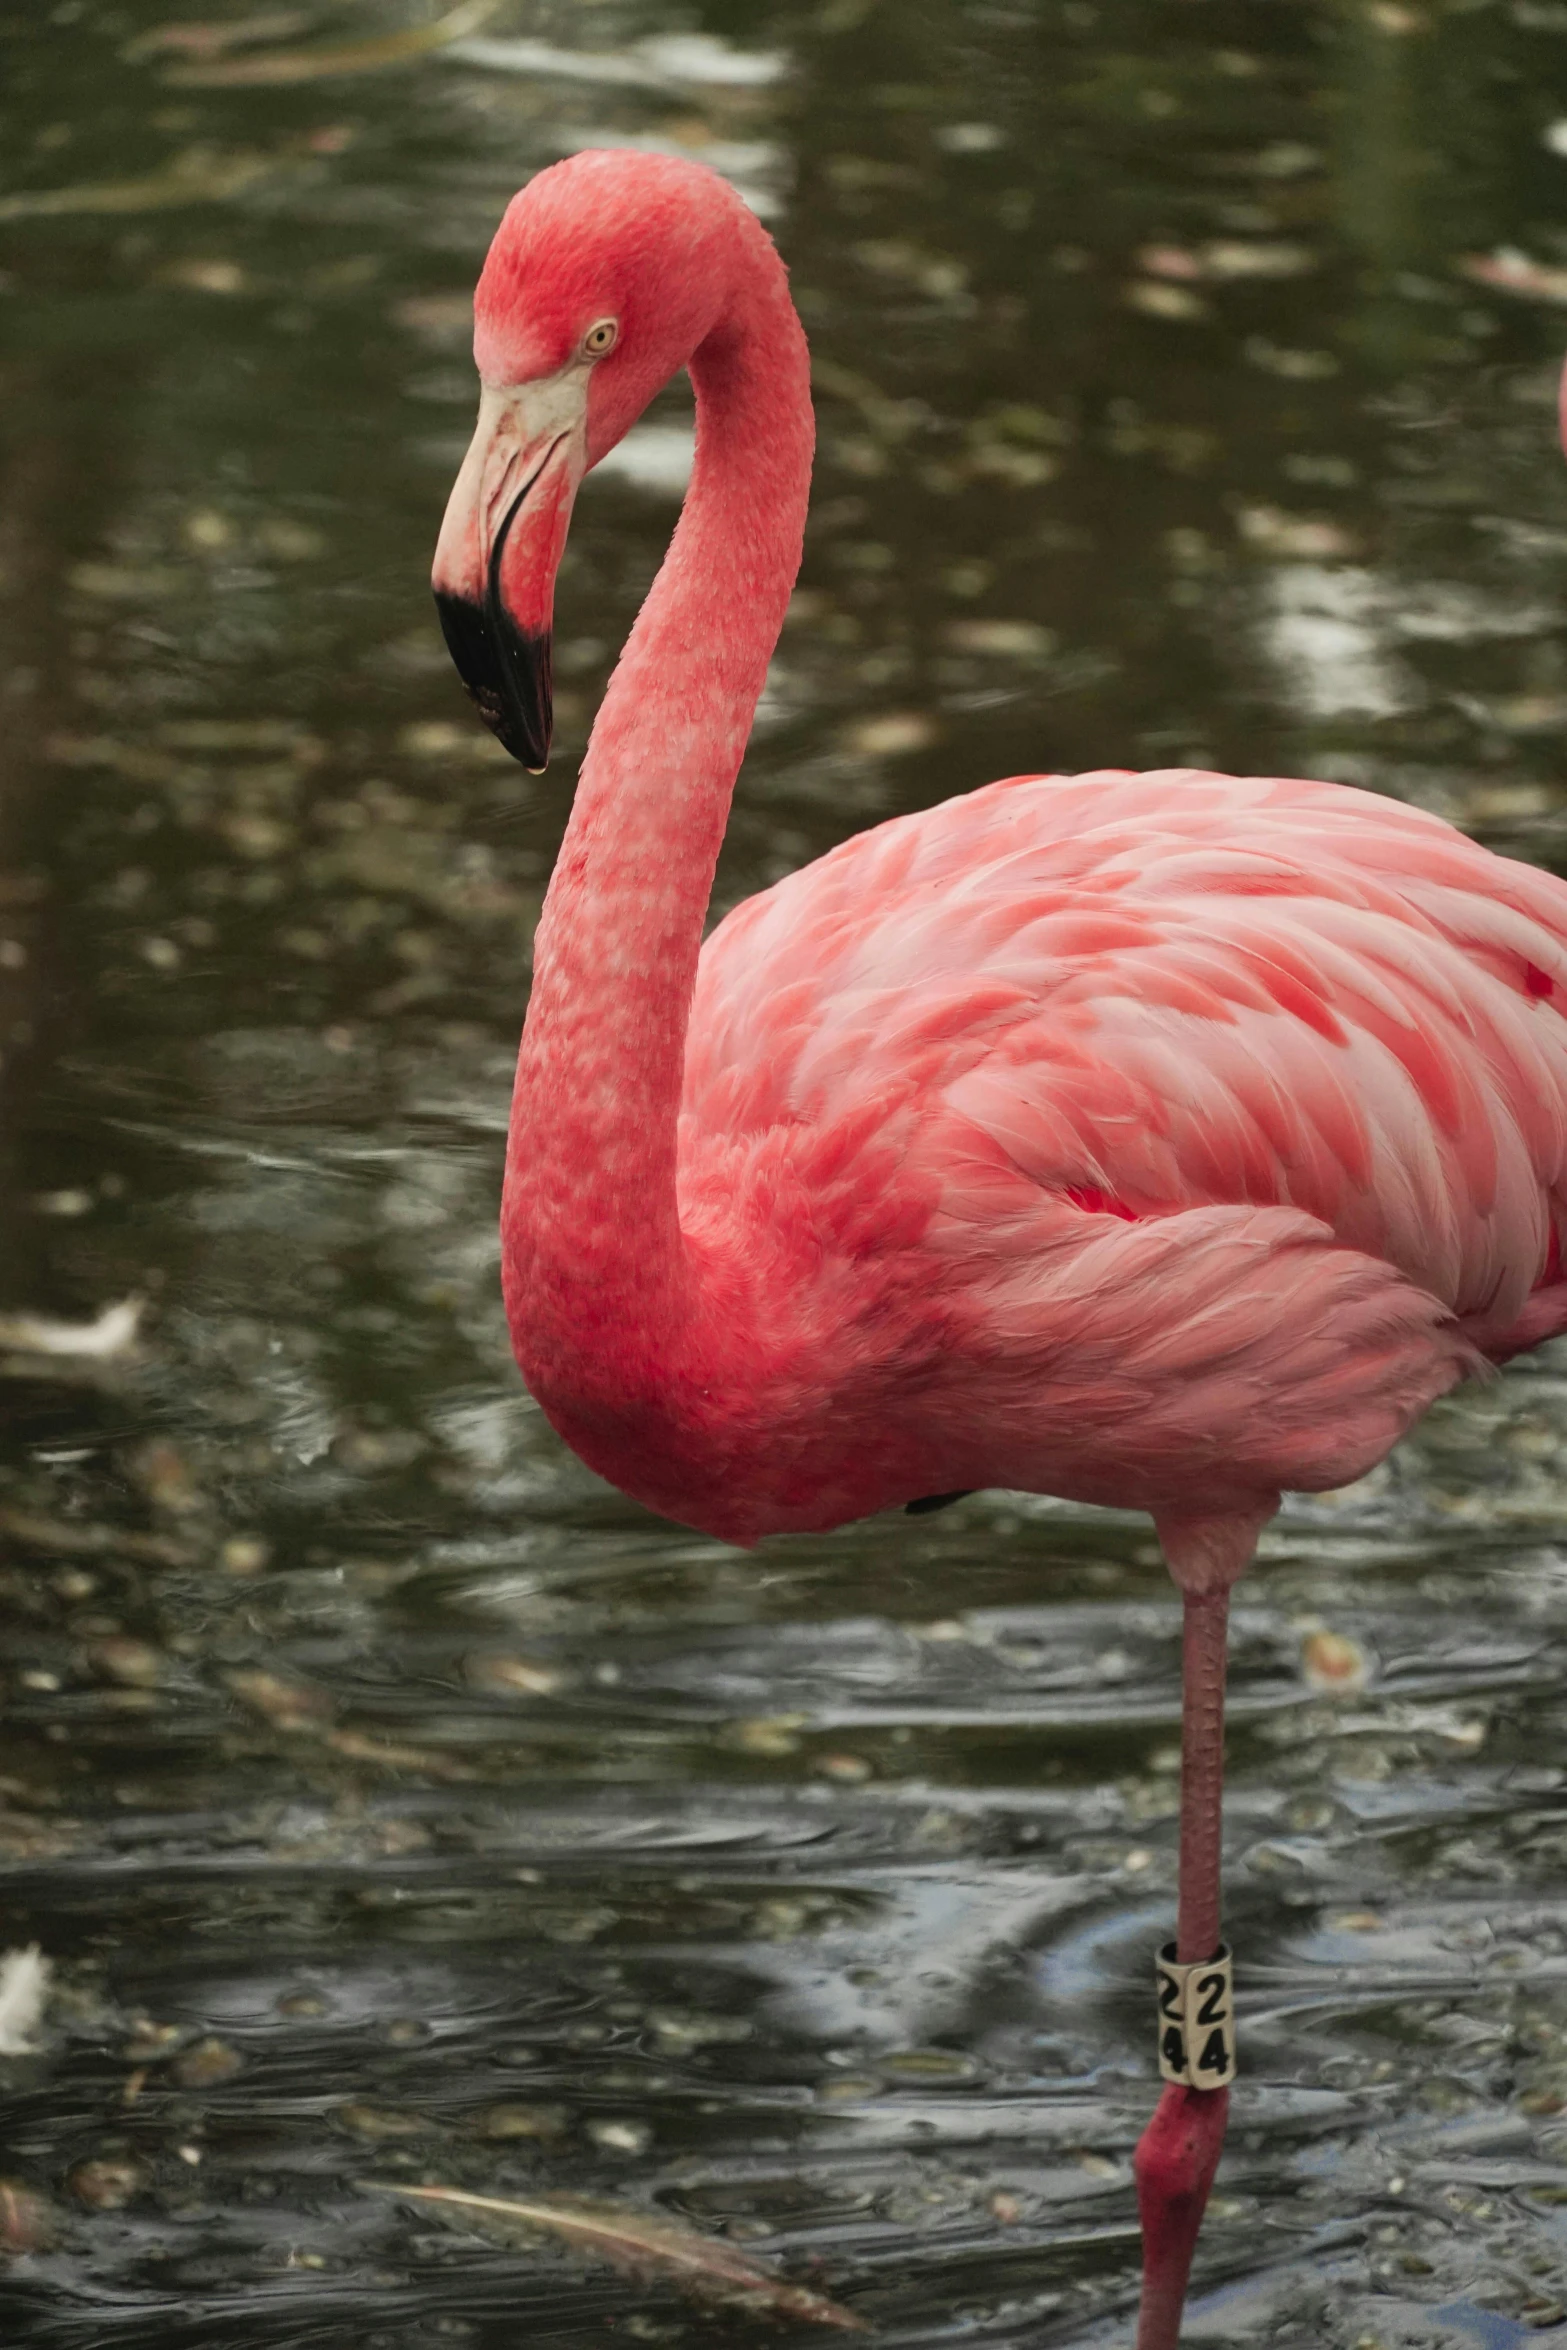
507	673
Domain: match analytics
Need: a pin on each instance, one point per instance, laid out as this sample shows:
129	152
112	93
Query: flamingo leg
1179	2151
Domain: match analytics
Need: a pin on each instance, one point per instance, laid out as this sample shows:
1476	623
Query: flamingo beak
500	547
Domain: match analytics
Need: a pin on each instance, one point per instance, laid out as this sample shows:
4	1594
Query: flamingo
1163	1140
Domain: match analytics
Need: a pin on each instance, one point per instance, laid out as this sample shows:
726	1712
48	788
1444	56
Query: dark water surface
396	1801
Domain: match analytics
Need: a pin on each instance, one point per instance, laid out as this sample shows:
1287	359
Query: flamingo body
1114	1136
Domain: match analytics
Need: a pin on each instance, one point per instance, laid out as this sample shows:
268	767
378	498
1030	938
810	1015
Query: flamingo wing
1149	993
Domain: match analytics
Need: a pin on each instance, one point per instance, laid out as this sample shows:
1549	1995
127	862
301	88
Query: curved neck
598	1283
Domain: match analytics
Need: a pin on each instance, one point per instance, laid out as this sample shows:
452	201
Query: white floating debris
666	61
113	1333
656	457
715	63
24	1987
757	169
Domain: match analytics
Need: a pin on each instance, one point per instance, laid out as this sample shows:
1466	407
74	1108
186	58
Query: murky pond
397	1803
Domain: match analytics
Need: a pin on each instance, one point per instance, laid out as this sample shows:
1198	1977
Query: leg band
1197	2019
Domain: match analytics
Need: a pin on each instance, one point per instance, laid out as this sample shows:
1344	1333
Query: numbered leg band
1197	2019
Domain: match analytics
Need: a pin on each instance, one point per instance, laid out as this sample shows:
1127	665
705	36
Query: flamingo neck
601	1291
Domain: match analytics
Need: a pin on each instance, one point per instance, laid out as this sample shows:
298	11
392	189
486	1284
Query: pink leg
1179	2151
1176	2158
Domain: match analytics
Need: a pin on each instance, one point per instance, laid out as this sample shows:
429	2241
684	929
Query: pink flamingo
1162	1140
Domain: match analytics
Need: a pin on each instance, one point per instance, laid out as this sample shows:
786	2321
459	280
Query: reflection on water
397	1802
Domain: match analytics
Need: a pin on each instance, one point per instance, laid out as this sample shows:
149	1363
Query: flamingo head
604	276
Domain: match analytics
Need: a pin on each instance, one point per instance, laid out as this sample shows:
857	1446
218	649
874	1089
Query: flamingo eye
601	338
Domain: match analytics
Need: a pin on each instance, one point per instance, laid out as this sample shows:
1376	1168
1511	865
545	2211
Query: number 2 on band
1211	1990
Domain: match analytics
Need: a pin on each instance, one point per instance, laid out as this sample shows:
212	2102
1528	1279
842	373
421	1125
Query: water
398	1803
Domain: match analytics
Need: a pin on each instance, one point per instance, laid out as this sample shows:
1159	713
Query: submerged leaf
645	2245
27	2222
199	175
1511	272
281	66
393	1755
210	40
1333	1661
